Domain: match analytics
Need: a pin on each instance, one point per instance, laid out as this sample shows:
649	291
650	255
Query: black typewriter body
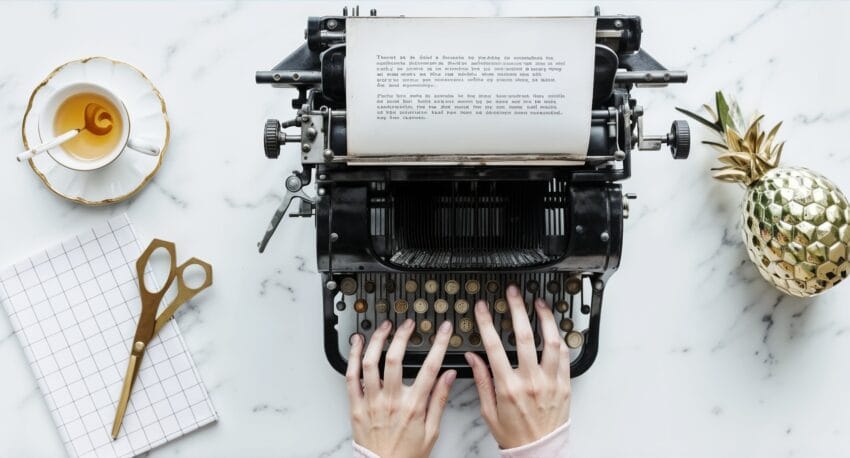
427	241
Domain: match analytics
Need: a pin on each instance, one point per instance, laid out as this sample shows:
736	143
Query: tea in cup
65	110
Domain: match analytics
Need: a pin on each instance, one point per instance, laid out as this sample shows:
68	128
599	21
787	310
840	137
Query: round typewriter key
574	339
506	324
426	326
431	286
501	305
390	285
348	286
441	306
420	306
562	306
400	306
340	306
416	339
573	285
381	306
585	309
567	324
451	287
492	287
532	286
475	339
360	306
465	325
472	286
366	325
553	287
461	306
431	338
455	341
369	287
411	286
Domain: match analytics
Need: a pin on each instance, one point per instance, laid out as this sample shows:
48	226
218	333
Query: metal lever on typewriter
294	190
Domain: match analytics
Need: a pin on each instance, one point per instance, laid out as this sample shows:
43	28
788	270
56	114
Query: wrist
361	451
551	444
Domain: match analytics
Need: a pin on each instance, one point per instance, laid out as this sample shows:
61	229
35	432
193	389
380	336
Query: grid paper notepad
74	308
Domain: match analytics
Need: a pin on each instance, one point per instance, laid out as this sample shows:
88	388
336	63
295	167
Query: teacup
47	129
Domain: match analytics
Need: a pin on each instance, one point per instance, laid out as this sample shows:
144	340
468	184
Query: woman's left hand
388	417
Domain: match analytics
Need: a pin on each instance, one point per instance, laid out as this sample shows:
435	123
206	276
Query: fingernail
408	323
469	359
386	324
513	291
446	327
356	340
540	303
450	377
481	307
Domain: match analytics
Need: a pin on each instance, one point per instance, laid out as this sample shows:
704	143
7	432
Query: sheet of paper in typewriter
469	86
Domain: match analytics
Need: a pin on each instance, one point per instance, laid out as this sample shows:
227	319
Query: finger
352	374
525	348
431	367
492	342
395	356
437	404
550	360
564	365
484	383
371	373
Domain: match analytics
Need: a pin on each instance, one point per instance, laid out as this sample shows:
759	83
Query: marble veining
699	357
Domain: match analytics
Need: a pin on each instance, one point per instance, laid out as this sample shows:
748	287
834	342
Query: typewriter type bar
425	239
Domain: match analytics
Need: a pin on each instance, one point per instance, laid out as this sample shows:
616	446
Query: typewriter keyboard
365	300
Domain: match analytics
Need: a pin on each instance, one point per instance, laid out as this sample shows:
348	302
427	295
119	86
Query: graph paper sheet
74	308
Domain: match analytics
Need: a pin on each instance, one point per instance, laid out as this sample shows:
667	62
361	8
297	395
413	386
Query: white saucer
131	171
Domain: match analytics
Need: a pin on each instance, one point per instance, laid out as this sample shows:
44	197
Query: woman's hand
522	405
388	417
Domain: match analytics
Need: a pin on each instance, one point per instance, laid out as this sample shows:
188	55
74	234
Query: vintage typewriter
424	241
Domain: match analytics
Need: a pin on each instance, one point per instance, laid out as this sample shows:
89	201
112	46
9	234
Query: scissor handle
181	279
184	291
142	262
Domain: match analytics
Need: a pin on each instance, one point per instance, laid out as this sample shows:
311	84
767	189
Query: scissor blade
129	377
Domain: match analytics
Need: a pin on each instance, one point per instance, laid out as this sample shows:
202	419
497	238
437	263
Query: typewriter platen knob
271	138
679	140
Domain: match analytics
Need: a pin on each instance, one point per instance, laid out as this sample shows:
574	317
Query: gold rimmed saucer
129	173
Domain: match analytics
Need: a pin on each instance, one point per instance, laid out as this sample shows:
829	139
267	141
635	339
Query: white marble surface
699	357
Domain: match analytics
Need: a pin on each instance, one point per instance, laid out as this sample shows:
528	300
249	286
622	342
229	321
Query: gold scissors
149	323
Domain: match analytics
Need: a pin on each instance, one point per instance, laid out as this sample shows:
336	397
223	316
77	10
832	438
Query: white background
698	358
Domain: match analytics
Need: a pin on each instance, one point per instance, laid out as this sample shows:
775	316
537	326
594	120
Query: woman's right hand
524	404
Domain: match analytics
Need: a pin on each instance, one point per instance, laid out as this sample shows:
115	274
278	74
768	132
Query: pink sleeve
362	452
555	444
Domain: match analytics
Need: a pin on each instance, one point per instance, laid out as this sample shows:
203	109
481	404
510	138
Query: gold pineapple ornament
795	222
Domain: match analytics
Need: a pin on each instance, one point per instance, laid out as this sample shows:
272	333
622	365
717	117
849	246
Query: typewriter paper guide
469	90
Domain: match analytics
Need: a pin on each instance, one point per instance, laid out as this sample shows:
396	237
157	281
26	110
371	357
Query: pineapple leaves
731	175
723	112
735	115
735	159
746	152
715	126
710	111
